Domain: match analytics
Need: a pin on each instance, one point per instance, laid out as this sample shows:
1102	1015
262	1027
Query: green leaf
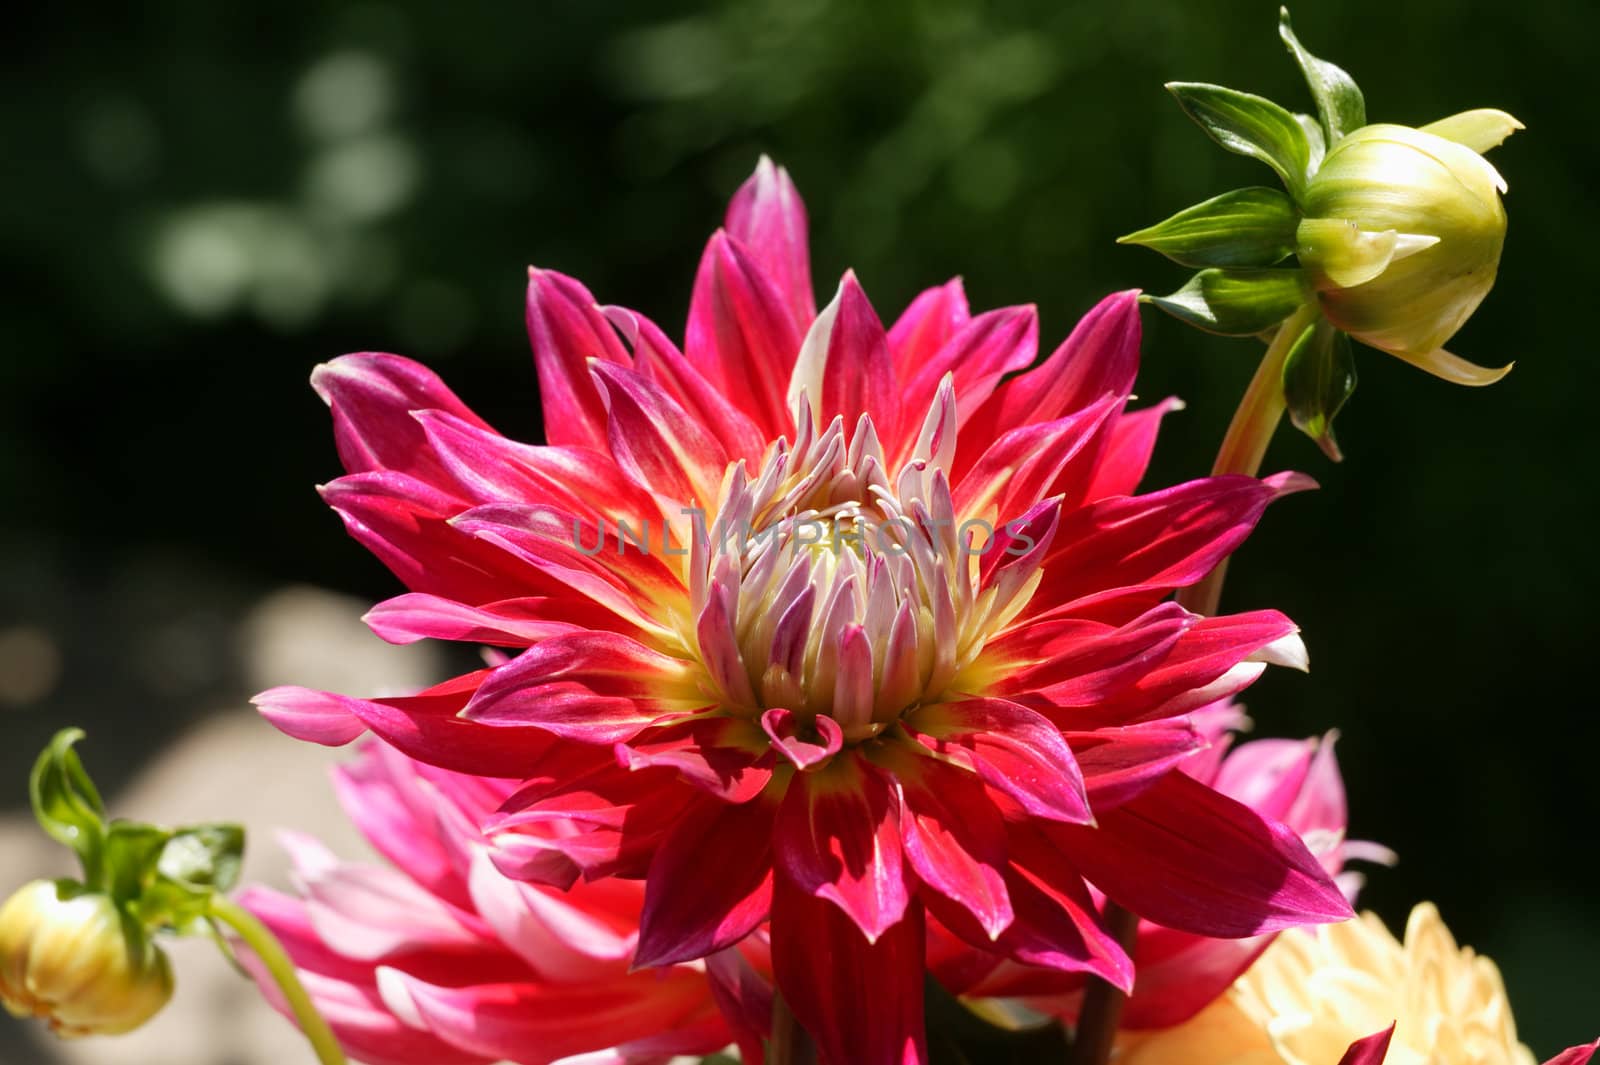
204	857
1246	227
131	849
66	803
1318	377
1339	101
1249	125
1236	302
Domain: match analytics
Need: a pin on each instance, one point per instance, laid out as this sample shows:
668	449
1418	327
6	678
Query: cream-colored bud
70	958
1402	231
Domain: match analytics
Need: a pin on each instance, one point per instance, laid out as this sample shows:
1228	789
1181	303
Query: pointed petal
656	442
1369	1051
837	837
657	358
768	217
1164	540
1128	451
952	834
979	354
741	335
1098	359
1578	1055
1190	858
688	914
813	943
1016	752
932	319
844	367
372	396
1479	130
594	687
1034	461
1119	763
567	329
510	623
1453	368
1068	663
726	756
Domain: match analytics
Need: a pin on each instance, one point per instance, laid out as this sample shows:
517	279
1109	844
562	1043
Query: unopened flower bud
1402	231
71	958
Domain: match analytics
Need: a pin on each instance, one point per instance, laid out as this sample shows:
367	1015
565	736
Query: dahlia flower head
824	625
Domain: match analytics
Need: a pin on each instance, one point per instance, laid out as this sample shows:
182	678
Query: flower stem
790	1045
1245	444
1101	1014
266	947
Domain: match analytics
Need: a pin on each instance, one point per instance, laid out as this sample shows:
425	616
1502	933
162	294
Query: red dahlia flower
442	960
826	622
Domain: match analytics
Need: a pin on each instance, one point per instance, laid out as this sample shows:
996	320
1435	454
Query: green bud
73	958
1402	232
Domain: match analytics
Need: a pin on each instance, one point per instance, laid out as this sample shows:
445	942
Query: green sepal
1319	375
1249	125
1246	227
131	850
204	857
1340	104
66	803
1236	302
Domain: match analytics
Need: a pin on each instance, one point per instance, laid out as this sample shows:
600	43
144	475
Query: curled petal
1453	368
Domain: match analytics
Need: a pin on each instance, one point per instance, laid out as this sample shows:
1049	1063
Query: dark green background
197	209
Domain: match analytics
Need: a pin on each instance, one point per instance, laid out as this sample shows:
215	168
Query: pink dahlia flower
1294	782
443	960
826	622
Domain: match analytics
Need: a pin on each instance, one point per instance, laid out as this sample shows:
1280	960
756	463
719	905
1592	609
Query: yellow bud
1403	228
74	960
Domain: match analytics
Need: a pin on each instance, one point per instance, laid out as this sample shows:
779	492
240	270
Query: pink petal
744	999
567	329
979	354
562	935
742	335
1206	652
844	367
768	217
658	358
1369	1051
508	1020
656	442
1016	752
372	396
1578	1055
595	687
406	524
1128	451
1165	540
813	943
1119	763
710	883
425	726
804	742
1067	663
726	756
1185	856
510	623
308	715
926	326
952	834
1034	461
837	837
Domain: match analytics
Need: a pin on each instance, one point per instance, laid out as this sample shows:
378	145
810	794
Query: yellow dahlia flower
1317	991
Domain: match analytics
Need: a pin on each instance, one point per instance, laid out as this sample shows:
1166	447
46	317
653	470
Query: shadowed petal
710	883
1369	1051
813	943
935	316
837	836
844	367
1185	856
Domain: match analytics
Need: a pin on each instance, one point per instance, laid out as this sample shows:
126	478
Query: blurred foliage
204	200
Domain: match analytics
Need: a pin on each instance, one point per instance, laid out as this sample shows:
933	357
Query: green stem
266	947
1245	444
1101	1013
